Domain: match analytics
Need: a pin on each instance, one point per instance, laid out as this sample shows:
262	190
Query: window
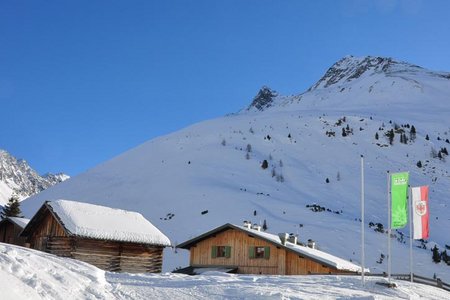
220	251
259	252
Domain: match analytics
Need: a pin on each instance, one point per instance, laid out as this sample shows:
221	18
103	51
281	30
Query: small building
10	229
248	250
111	239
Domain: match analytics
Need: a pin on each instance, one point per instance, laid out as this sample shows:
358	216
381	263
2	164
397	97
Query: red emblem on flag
421	208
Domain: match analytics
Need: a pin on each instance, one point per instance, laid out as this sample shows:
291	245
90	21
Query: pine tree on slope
11	209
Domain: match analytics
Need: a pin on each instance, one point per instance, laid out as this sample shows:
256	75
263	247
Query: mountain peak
17	177
350	68
264	98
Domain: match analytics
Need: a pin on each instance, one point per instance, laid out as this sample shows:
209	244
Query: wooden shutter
227	251
251	252
213	251
266	252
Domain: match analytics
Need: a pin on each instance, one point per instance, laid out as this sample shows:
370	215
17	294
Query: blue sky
83	81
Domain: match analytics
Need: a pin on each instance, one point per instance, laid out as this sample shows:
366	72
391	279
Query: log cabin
248	250
10	229
112	239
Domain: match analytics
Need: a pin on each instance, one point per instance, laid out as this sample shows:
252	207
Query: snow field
30	274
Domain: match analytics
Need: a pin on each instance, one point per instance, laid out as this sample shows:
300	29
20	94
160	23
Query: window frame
256	253
220	251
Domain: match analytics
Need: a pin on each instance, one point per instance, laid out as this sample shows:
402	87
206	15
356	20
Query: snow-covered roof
101	222
326	258
21	222
315	254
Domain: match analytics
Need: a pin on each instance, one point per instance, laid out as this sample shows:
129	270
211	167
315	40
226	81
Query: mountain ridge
18	178
369	77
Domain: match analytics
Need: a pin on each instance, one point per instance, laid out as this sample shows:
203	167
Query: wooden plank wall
281	261
9	233
297	265
48	227
240	243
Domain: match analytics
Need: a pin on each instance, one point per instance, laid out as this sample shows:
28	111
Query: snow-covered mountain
211	173
17	177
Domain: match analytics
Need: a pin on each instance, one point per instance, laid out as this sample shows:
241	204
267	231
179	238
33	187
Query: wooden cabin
10	229
248	250
111	239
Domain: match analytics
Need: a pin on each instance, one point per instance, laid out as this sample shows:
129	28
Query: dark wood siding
47	228
9	233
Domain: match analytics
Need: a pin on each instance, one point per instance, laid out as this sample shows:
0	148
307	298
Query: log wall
118	256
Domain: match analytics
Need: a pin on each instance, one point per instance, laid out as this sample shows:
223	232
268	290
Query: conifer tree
11	209
264	227
436	254
343	132
265	164
412	133
445	257
390	134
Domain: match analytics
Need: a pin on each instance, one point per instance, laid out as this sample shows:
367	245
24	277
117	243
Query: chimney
311	244
247	224
292	239
283	237
256	227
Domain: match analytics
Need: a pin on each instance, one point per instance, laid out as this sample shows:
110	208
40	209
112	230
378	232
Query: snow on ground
30	274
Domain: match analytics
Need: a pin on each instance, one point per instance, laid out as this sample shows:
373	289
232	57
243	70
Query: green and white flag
399	203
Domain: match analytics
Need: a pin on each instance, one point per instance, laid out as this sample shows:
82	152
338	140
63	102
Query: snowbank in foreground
29	274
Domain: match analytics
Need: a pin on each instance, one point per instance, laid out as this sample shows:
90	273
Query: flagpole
389	226
362	220
410	237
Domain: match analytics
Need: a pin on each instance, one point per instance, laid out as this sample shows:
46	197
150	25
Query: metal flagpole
410	235
389	226
362	220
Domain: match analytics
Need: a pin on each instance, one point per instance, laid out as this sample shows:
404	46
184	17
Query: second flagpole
389	226
362	221
410	236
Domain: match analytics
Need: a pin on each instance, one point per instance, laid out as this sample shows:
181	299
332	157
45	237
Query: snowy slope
29	274
17	177
201	177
